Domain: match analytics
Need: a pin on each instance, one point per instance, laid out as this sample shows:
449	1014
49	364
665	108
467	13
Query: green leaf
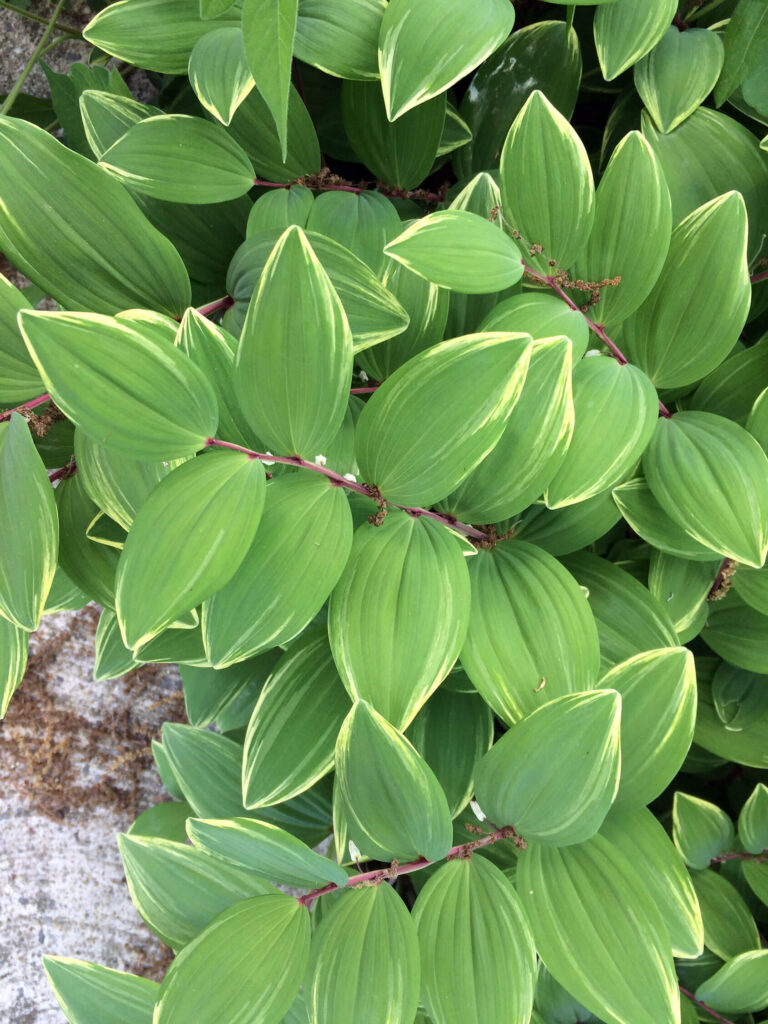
180	158
361	223
737	633
658	711
155	34
740	986
364	963
564	530
212	503
14	643
206	767
131	392
278	208
106	117
542	316
266	850
678	74
296	559
629	619
732	389
247	965
620	245
555	1004
293	729
697	309
165	821
179	890
210	693
648	519
615	410
87	992
425	48
711	477
398	615
478	961
753	820
459	250
213	8
729	928
400	153
626	31
111	657
746	42
340	37
645	844
701	830
555	774
557	219
76	232
516	664
219	73
253	127
375	766
599	932
29	527
19	379
534	442
452	732
544	56
418	462
684	587
748	746
294	361
269	28
91	566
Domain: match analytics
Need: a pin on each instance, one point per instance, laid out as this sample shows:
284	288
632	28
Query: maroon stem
709	1010
64	472
364	391
341	481
762	276
213	307
395	869
616	352
757	857
31	404
319	186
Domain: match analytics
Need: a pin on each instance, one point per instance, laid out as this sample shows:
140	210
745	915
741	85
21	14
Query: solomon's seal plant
407	386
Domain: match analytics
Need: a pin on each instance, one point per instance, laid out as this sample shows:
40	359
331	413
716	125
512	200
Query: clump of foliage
441	473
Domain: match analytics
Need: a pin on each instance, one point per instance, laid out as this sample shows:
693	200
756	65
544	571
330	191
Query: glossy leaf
740	986
14	643
678	74
375	765
625	31
648	519
399	613
753	820
106	117
729	928
254	128
413	462
219	73
210	694
340	37
477	956
514	663
91	566
542	316
361	223
269	28
87	992
746	38
422	53
294	361
19	379
701	830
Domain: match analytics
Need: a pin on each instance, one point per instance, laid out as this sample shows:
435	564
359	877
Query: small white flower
268	462
363	376
476	810
320	460
354	853
351	477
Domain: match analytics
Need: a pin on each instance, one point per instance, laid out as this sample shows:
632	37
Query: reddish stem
364	391
31	404
614	349
762	276
394	870
64	472
320	186
756	857
709	1010
213	307
341	481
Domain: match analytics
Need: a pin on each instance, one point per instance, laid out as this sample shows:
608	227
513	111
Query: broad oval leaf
398	615
267	850
745	38
711	477
14	645
599	932
557	219
729	927
292	732
278	208
620	245
219	73
87	992
478	961
701	830
213	694
694	315
107	117
542	316
555	774
294	360
294	562
678	74
361	223
247	965
424	50
459	250
29	527
269	29
375	766
340	37
91	566
254	128
213	504
470	386
753	820
19	379
658	712
740	986
364	963
615	411
132	392
625	31
516	664
96	250
737	632
648	519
